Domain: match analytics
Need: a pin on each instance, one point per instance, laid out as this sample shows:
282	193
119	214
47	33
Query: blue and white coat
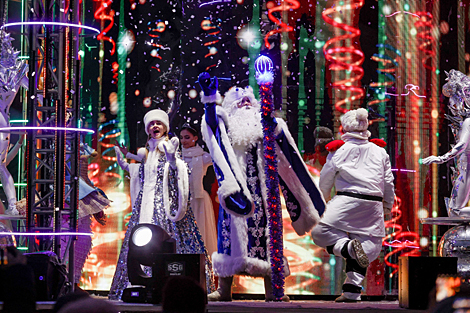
243	234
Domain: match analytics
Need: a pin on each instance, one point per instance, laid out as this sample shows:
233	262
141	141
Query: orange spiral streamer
286	5
345	58
424	26
107	146
213	30
104	12
155	32
388	69
403	243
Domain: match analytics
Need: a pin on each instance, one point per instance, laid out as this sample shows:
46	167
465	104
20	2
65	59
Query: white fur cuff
211	99
183	190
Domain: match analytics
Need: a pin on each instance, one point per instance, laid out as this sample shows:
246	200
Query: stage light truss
53	156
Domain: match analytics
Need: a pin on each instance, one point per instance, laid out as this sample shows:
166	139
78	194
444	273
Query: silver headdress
12	69
457	89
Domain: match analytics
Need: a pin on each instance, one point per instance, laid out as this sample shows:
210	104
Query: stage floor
260	306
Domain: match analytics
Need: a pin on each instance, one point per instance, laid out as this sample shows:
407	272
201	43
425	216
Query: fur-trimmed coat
243	239
160	197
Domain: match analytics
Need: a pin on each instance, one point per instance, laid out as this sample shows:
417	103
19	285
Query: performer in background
234	135
458	89
353	224
11	155
12	76
92	203
159	195
198	161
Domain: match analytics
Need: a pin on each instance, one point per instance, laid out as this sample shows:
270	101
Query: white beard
245	128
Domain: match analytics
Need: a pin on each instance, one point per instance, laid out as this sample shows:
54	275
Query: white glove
120	159
170	147
433	159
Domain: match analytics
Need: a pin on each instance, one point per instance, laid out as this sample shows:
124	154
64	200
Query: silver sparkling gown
185	231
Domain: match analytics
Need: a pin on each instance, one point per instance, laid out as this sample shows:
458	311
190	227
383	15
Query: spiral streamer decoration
155	29
405	243
95	168
345	58
389	65
107	147
213	30
263	64
115	67
286	5
388	69
113	133
424	27
105	13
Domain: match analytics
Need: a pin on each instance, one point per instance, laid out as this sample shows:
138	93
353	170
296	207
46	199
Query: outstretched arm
12	153
127	154
209	88
459	147
120	159
233	193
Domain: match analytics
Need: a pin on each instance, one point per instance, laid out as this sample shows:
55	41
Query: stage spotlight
152	259
142	236
146	242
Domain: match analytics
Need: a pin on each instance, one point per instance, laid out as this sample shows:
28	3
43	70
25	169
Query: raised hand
170	147
208	85
122	148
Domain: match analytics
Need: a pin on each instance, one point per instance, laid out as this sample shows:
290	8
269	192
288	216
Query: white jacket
362	167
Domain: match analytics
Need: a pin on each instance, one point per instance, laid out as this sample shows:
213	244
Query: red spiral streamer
286	5
404	243
115	67
345	58
105	13
424	27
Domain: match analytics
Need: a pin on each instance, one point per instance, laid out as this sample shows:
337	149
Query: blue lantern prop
263	64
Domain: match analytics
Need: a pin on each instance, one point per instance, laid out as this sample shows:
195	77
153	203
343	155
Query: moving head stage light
152	260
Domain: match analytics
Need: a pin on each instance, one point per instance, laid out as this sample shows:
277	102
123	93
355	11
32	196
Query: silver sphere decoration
456	243
6	240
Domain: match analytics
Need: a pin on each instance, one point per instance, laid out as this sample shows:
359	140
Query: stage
260	306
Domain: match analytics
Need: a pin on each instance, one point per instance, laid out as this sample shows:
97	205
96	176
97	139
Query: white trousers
324	235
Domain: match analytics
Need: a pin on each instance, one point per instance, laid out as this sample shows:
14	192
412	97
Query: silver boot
224	292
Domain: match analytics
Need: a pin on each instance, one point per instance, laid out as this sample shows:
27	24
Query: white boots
224	292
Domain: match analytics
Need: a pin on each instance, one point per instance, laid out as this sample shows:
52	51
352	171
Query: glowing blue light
263	64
